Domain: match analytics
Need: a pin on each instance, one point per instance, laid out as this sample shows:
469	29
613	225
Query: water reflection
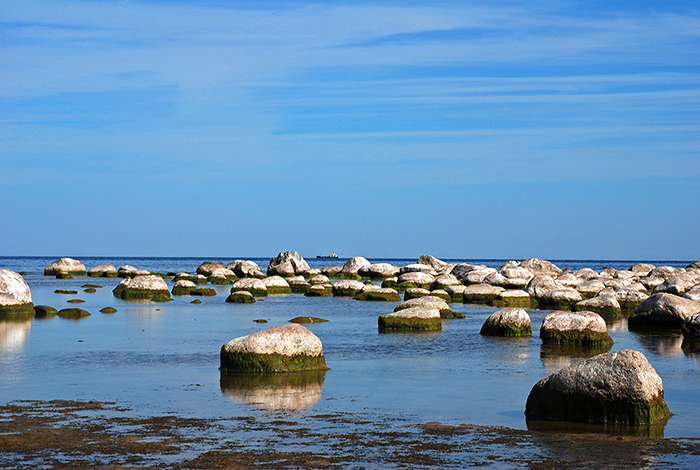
615	323
657	430
558	356
291	391
14	334
514	350
662	341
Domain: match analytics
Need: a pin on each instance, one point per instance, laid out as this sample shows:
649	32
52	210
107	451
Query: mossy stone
90	290
221	281
205	291
320	290
279	290
251	362
91	286
76	301
141	294
392	322
380	295
307	320
196	301
182	290
23	273
44	311
583	337
260	320
240	297
64	276
452	315
557	304
108	310
505	329
299	288
65	291
17	311
73	313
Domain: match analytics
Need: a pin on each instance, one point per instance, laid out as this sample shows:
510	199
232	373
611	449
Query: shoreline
101	435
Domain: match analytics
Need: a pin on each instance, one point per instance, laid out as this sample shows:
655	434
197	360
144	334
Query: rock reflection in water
14	334
662	341
558	356
289	391
656	430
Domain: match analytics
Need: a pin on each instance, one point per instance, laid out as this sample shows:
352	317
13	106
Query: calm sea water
164	357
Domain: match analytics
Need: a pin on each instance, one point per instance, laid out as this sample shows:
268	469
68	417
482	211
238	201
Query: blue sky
381	129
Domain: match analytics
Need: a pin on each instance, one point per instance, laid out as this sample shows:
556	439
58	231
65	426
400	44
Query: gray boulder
539	266
480	293
604	305
288	264
411	319
678	285
693	293
276	285
143	287
243	268
352	267
103	270
65	267
378	271
15	296
560	299
618	388
507	322
580	328
431	261
208	267
347	288
415	279
663	310
540	284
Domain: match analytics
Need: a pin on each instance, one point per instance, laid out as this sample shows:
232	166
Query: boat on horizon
332	255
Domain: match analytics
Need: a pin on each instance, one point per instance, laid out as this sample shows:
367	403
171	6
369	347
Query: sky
460	129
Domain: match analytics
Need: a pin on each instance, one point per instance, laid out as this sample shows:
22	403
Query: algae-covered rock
441	294
541	284
149	287
480	293
347	288
415	279
183	287
240	297
415	292
507	322
591	288
127	271
456	293
604	305
44	311
283	348
298	284
308	320
560	299
514	298
663	310
196	301
108	310
411	319
378	271
244	268
427	302
581	328
352	267
103	270
288	264
253	285
381	294
195	278
615	388
73	313
221	276
15	296
208	267
65	291
65	266
319	290
277	285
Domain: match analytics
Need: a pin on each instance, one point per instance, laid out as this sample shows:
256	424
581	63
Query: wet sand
99	435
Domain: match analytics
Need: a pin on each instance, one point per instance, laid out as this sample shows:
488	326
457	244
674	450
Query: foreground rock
411	319
663	310
507	322
615	388
65	267
579	328
288	264
149	287
15	296
283	348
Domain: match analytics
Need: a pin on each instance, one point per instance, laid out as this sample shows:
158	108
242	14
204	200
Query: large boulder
288	264
427	302
253	285
560	299
577	328
678	285
415	279
615	388
352	267
628	297
514	298
65	267
604	305
347	288
507	322
208	267
693	294
103	270
663	310
691	332
477	275
411	319
510	277
540	284
15	296
149	287
221	276
283	348
431	261
590	288
381	294
480	293
277	285
379	271
539	266
642	269
243	268
128	271
445	280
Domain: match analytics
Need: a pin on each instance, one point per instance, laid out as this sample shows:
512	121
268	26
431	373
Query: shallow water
164	357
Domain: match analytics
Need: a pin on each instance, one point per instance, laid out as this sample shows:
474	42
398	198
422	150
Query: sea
163	358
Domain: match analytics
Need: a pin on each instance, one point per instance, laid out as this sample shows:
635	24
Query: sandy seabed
99	435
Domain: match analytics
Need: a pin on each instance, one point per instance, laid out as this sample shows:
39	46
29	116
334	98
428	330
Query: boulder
379	271
539	266
480	293
320	290
431	261
456	293
417	268
618	388
693	293
642	269
415	279
678	285
298	284
319	279
691	332
277	285
149	287
15	296
663	310
604	305
127	271
347	288
197	278
308	320
441	294
66	267
44	311
514	298
253	285
569	280
240	297
73	313
242	268
560	299
411	319
208	267
590	288
288	264
427	302
445	280
103	270
579	328
284	348
628	297
415	292
352	267
221	276
331	271
183	287
477	276
381	294
541	284
511	277
507	322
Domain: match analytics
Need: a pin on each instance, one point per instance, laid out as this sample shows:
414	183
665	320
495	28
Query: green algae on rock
615	388
411	319
65	291
319	290
283	348
15	296
308	320
381	294
44	311
73	313
253	285
584	328
108	310
65	267
103	270
511	322
149	287
240	297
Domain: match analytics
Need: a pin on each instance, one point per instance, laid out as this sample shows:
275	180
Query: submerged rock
507	322
615	388
73	313
65	266
149	287
283	348
44	311
584	328
411	319
15	296
663	310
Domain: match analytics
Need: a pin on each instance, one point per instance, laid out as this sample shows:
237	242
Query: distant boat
333	255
